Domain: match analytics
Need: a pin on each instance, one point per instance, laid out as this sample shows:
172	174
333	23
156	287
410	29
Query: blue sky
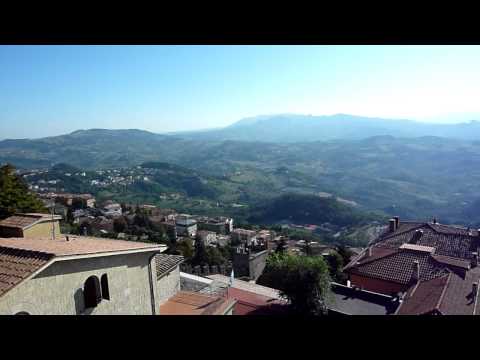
51	90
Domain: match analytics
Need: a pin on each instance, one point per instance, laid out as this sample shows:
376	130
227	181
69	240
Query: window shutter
105	290
92	292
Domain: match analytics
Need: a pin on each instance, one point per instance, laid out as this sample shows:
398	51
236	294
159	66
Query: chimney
397	221
391	224
416	271
369	251
474	291
434	220
416	236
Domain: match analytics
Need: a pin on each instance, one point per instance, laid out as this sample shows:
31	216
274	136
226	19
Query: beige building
78	276
30	225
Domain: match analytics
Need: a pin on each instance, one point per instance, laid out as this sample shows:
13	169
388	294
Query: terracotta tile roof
398	266
458	299
17	265
424	297
23	221
444	254
448	260
447	240
78	245
190	303
450	294
165	263
249	303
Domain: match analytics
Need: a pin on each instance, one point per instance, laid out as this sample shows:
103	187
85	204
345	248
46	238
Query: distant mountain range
302	128
398	167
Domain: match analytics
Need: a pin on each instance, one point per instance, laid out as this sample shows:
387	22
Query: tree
120	225
215	256
70	218
78	203
281	246
303	280
335	264
185	248
15	195
345	253
201	256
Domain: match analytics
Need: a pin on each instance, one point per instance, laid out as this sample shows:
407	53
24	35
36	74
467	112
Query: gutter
150	277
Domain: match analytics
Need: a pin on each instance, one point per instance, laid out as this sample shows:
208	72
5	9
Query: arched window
105	290
92	292
22	313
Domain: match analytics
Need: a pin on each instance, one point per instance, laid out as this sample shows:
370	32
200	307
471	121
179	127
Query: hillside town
85	257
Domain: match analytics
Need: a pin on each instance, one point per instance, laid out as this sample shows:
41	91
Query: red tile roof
23	221
450	294
17	265
191	303
249	303
444	253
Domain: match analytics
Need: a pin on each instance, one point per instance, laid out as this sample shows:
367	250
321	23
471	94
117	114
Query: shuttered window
92	292
105	290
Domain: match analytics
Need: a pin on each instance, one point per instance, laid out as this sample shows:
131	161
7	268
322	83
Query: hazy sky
50	90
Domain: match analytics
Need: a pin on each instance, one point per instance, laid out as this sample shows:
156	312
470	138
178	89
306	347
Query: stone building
208	237
78	276
243	236
248	264
186	225
30	225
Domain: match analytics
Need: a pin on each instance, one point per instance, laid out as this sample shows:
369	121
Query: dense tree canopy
303	280
15	196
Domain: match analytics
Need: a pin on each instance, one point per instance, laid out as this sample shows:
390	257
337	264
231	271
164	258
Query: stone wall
168	285
257	264
58	290
207	270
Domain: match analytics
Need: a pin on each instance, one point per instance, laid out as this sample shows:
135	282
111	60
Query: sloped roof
447	240
165	263
450	294
444	254
77	245
424	297
24	221
398	266
191	303
17	265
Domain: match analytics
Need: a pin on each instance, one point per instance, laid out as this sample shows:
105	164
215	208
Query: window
92	292
22	313
105	290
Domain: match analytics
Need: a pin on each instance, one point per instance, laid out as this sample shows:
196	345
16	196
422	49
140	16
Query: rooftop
191	303
447	266
166	263
249	303
18	265
77	245
349	301
24	221
247	286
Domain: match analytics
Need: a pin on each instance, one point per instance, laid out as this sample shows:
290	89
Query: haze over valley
388	167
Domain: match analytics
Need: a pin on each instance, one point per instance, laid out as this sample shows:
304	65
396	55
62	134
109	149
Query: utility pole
53	220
